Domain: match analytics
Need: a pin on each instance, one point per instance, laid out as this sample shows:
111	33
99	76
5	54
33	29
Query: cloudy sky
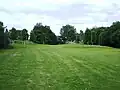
56	13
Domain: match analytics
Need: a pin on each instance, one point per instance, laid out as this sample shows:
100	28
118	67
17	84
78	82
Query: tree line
105	36
7	37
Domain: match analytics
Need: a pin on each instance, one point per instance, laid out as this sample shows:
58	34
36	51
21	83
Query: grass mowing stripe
60	67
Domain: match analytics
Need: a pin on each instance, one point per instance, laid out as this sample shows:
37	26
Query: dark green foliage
42	35
78	38
96	36
106	36
32	36
4	38
1	40
13	34
60	40
52	39
25	34
1	35
115	40
19	34
81	36
87	39
68	33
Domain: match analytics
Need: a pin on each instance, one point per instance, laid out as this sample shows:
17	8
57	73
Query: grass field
60	67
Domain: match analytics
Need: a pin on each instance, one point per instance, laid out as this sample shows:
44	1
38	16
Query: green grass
60	67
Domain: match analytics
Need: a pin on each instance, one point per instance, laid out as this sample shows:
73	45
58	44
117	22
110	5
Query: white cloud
80	13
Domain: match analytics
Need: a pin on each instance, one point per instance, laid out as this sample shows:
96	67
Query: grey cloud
2	9
70	11
79	10
64	12
112	13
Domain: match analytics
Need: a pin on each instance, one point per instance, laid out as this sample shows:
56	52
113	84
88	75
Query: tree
25	35
81	36
93	37
52	39
19	34
13	34
77	38
87	39
114	34
1	35
32	36
4	39
106	36
42	35
68	32
115	40
60	40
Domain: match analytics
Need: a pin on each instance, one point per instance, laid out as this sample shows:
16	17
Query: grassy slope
62	67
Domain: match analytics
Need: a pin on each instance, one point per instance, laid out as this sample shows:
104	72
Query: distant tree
19	34
68	33
4	39
115	39
13	34
78	38
87	38
114	34
1	35
42	35
106	36
52	39
93	37
60	40
25	35
32	36
81	36
98	31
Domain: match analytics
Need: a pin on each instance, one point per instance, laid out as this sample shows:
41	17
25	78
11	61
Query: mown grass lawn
60	67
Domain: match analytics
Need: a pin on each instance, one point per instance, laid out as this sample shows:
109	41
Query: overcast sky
56	13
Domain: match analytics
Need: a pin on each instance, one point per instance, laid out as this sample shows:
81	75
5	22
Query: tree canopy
42	35
106	36
68	33
4	39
